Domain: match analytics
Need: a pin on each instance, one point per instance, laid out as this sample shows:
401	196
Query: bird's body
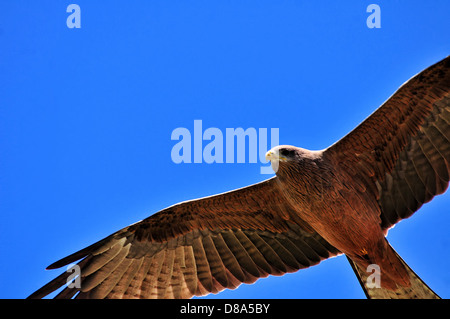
334	204
341	200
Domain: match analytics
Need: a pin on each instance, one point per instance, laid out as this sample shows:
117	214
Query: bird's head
292	158
283	155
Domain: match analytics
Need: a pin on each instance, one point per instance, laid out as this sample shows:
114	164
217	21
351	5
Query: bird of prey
340	200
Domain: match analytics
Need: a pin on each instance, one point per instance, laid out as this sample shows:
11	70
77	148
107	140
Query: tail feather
417	289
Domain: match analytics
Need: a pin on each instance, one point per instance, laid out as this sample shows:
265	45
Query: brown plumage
321	203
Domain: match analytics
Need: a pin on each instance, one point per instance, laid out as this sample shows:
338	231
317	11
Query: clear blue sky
86	116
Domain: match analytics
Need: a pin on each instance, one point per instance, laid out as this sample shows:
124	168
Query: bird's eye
285	152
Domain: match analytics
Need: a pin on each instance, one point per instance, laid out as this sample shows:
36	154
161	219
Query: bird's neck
305	181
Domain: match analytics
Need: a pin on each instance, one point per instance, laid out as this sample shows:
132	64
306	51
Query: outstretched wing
196	248
401	153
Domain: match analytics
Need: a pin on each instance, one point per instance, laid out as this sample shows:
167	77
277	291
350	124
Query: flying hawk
340	200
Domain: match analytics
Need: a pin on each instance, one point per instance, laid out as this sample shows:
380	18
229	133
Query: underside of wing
196	248
401	153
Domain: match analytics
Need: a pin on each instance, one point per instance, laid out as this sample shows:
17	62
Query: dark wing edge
401	153
195	248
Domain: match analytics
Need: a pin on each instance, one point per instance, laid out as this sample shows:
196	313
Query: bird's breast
337	211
